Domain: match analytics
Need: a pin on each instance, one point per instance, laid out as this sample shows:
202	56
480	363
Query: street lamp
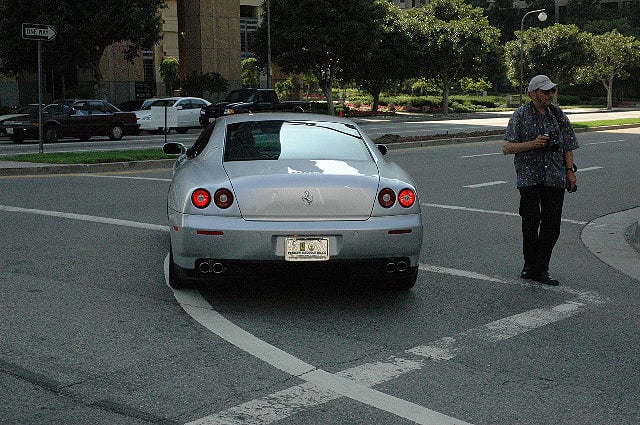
542	16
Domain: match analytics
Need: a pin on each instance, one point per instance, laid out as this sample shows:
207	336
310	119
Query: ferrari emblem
307	197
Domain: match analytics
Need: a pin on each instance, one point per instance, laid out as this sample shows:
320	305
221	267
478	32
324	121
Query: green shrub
565	99
288	89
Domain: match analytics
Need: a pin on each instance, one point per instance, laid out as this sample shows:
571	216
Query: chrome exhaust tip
217	268
402	266
211	266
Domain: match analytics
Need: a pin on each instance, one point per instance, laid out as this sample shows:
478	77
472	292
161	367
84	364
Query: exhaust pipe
402	266
211	266
390	267
217	268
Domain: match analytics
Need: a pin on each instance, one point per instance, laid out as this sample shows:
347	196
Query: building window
248	25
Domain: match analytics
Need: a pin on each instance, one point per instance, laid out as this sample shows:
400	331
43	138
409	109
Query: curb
633	236
488	138
28	170
87	168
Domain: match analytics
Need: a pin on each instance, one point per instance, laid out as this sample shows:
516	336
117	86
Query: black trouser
541	212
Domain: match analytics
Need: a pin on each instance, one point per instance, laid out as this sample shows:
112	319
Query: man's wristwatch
574	168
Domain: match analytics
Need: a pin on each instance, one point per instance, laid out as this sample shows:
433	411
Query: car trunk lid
303	190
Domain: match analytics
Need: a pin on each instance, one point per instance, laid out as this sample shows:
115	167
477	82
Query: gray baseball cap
540	82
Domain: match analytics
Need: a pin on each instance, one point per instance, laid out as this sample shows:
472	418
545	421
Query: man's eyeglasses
548	92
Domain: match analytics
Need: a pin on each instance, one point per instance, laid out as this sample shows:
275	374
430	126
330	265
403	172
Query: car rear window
284	140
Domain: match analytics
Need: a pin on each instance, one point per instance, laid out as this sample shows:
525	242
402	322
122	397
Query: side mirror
383	149
174	148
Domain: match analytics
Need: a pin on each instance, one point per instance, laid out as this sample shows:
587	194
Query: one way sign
38	32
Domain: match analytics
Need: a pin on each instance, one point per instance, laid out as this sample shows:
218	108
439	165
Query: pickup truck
250	100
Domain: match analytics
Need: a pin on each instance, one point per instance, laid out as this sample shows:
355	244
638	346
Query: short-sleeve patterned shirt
541	166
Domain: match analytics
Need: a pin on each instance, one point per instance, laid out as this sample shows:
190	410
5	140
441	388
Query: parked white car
173	113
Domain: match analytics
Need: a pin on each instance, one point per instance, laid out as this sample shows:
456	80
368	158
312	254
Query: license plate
9	130
306	249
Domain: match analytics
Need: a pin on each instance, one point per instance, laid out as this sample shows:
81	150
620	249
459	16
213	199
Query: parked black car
23	111
74	118
251	100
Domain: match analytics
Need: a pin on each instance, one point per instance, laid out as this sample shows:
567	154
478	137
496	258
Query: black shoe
544	278
527	272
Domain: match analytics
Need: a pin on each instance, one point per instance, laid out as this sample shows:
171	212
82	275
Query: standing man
542	139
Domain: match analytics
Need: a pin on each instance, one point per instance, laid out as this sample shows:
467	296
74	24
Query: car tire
204	121
116	132
17	138
176	275
405	280
51	133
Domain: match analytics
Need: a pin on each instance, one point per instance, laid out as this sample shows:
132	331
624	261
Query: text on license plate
306	249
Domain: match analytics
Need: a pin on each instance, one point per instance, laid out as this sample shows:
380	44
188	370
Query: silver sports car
292	195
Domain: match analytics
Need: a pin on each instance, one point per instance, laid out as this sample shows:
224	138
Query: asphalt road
91	333
404	125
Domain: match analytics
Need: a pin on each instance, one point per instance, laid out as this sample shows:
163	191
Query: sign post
40	33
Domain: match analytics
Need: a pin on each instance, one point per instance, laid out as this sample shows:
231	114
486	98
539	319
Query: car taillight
387	197
201	198
223	198
407	197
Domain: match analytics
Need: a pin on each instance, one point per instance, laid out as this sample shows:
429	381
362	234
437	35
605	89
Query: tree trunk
445	97
376	102
328	94
609	86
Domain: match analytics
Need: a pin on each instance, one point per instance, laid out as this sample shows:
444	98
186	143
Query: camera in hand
553	144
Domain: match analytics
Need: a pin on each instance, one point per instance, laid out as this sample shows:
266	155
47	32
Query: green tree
84	30
453	40
381	65
327	37
591	17
615	55
289	88
250	73
557	51
469	85
201	84
170	73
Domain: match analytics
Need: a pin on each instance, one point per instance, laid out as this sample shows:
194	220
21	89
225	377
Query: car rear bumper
195	239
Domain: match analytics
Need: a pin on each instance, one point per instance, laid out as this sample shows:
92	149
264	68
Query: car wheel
182	130
17	138
51	134
204	121
116	132
176	277
405	280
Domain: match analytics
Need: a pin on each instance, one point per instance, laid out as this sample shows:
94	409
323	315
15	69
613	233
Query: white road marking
354	383
321	381
606	142
478	210
482	154
475	186
581	170
322	387
91	218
